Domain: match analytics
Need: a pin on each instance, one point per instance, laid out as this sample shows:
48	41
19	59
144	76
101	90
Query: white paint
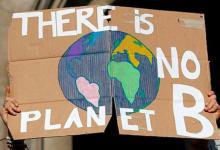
189	55
147	118
125	118
172	68
47	123
143	19
24	20
61	22
73	117
98	119
82	18
180	111
43	23
28	117
102	17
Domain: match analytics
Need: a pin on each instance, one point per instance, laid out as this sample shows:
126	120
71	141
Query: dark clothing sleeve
16	144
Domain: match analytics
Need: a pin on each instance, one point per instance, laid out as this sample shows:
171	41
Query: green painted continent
127	75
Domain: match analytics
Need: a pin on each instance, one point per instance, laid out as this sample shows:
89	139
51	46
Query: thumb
4	115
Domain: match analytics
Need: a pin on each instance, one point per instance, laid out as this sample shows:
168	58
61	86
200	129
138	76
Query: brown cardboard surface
36	129
163	124
172	29
34	72
168	31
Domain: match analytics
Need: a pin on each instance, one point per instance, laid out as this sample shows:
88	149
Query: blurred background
110	139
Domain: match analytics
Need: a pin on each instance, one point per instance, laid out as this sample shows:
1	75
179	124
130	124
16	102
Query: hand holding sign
212	105
11	106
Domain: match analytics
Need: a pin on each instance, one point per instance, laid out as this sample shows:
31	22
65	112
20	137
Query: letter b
180	112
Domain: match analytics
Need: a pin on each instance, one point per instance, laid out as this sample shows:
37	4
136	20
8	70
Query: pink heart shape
89	91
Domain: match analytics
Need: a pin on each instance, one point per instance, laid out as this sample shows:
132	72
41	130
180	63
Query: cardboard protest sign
66	66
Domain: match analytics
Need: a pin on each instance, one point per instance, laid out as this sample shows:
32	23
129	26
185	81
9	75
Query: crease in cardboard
97	53
64	100
57	57
58	100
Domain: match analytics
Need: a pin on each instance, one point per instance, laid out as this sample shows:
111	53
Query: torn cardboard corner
66	65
